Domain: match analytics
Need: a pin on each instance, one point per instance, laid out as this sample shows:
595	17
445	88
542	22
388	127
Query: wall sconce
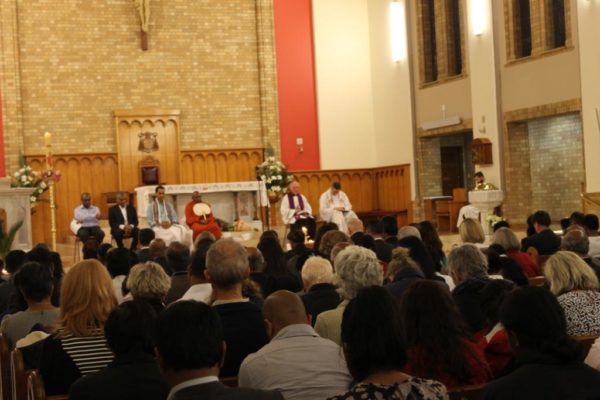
479	16
398	30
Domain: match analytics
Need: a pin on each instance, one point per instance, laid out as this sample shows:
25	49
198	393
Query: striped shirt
90	353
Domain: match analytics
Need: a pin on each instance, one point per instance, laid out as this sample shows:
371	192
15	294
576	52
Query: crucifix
143	9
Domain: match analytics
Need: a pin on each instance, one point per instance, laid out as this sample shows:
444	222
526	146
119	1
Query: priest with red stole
199	217
296	211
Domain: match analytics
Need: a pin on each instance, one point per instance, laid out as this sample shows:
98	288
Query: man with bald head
297	362
296	210
200	218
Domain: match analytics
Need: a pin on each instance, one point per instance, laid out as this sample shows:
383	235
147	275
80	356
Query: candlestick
47	138
48	143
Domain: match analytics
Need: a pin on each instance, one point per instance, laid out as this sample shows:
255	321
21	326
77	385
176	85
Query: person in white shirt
297	362
335	207
296	210
86	220
163	220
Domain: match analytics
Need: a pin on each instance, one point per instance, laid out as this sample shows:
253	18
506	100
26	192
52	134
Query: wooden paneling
383	189
93	173
209	166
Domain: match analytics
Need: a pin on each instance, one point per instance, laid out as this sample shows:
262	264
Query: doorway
452	168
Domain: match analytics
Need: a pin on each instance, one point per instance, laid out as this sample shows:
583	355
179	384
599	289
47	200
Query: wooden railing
220	165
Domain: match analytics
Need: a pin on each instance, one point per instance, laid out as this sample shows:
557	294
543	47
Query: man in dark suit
123	221
382	249
545	241
191	350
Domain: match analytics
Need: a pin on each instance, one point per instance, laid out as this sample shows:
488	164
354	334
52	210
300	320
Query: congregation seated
200	289
257	265
355	230
427	309
243	328
298	253
178	258
86	300
146	236
34	281
329	240
545	241
383	250
468	269
102	250
190	345
134	373
510	243
575	285
591	226
406	231
355	267
323	229
284	277
389	226
376	357
51	259
158	254
150	283
118	264
501	266
547	362
576	240
471	231
418	253
402	272
296	362
433	244
320	294
13	261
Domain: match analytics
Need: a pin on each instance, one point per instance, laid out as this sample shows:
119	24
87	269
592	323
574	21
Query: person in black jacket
321	294
123	221
545	241
130	334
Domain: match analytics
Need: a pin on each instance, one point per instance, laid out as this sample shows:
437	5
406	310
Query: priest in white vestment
296	210
163	220
335	207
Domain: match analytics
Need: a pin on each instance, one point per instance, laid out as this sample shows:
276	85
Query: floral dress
411	389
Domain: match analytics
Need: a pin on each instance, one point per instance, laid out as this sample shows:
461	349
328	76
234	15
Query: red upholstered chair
149	171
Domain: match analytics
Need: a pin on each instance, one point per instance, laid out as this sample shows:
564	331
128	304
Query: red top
498	351
525	261
480	370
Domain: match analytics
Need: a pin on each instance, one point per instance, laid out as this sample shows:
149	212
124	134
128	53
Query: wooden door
452	169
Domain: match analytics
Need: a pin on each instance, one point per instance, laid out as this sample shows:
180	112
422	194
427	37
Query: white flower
16	174
23	179
263	177
43	185
32	199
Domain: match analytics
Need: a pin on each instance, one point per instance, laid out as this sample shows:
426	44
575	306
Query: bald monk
297	361
200	219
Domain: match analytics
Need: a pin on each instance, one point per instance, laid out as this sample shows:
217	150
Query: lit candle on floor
305	231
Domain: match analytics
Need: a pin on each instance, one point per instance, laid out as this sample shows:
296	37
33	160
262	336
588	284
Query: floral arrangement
274	174
493	219
40	181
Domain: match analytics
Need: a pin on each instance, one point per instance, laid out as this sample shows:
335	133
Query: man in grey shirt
297	362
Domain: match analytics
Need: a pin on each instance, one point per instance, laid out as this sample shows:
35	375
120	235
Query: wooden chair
537	281
5	384
149	171
18	375
231	381
35	386
472	392
586	343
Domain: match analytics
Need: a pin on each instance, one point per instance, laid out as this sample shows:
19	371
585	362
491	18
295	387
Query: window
556	35
454	38
522	34
429	40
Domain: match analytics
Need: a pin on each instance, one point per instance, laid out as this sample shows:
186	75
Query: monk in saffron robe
199	217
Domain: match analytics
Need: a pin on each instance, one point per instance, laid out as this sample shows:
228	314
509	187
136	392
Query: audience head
366	241
407	231
326	227
356	267
118	261
146	236
577	218
354	225
536	321
492	297
148	281
565	223
205	235
541	220
329	240
41	254
498	264
281	309
197	266
14	260
530	228
131	328
102	250
590	223
178	256
337	248
256	261
471	231
576	240
400	261
566	271
500	224
295	237
87	297
269	233
273	254
507	239
466	262
316	270
158	248
372	334
34	281
226	264
389	226
418	252
430	236
374	228
189	336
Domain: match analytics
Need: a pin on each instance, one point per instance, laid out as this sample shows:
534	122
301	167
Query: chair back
472	392
18	375
537	281
149	171
5	385
586	343
35	386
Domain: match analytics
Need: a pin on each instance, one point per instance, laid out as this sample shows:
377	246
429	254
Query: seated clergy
297	362
163	220
296	211
123	221
335	207
199	217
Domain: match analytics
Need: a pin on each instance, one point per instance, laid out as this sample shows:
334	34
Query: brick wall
78	60
517	203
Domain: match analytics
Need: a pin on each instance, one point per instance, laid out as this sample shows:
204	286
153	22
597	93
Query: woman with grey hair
149	282
468	268
512	246
356	268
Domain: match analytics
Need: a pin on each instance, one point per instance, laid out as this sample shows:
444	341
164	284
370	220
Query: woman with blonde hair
576	286
149	282
78	346
471	231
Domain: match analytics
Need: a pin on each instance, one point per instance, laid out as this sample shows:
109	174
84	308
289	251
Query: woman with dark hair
547	363
284	278
437	338
376	357
419	253
433	244
506	267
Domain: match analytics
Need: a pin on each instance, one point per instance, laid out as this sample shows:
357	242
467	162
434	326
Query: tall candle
47	138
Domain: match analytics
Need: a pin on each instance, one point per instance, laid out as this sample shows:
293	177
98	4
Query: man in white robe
335	207
296	210
163	220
